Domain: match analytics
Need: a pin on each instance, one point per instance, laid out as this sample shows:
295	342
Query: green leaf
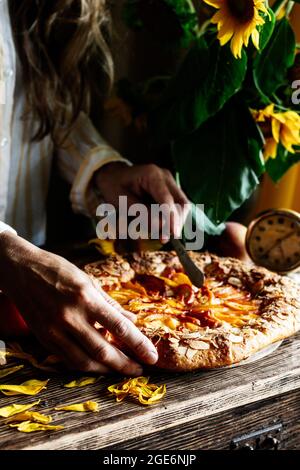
266	31
208	227
207	79
277	167
271	65
220	163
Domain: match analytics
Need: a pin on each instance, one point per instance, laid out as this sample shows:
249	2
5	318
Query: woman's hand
141	183
60	305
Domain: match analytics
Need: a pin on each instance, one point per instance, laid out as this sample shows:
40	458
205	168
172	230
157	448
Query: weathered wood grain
216	432
190	397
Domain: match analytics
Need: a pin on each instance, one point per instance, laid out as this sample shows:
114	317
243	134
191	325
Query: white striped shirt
25	166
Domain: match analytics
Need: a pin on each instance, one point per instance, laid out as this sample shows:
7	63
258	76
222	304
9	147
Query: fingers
181	201
105	353
114	304
160	184
177	193
156	185
73	355
125	331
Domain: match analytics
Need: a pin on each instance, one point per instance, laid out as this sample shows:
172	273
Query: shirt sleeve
84	152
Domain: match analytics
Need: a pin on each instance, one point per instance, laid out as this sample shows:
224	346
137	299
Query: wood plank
190	397
216	432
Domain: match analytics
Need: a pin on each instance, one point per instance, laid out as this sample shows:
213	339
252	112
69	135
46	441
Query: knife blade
194	273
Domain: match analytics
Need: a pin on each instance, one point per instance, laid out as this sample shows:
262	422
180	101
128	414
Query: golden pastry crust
216	345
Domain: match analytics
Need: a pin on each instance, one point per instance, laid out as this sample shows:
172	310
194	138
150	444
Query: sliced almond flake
191	353
235	281
125	265
235	339
200	345
182	350
173	340
194	335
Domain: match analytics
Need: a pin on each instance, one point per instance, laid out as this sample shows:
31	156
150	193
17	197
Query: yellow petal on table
27	426
140	389
14	409
157	395
9	371
87	406
83	382
30	387
32	416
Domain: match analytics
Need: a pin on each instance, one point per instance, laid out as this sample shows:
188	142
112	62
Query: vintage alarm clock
273	240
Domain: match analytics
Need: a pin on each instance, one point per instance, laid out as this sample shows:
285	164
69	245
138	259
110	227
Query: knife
195	274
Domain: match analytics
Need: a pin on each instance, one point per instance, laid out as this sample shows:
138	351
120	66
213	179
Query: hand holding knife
195	274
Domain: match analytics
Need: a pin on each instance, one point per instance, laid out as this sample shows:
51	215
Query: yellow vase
285	194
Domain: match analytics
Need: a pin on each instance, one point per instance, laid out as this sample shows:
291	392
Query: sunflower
278	128
237	21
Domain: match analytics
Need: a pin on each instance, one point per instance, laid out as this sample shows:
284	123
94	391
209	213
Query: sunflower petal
81	407
140	389
214	3
30	387
237	45
276	129
9	371
27	427
238	27
83	382
14	409
270	150
255	38
32	416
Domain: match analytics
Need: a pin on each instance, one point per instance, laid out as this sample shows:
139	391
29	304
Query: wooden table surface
189	397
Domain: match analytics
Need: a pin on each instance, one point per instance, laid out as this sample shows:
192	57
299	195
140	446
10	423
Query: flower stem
191	6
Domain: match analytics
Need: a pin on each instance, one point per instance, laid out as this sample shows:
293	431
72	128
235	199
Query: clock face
273	240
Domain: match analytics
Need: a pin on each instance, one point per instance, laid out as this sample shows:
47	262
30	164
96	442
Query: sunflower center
242	10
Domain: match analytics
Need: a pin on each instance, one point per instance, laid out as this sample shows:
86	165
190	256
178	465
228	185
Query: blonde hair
64	52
